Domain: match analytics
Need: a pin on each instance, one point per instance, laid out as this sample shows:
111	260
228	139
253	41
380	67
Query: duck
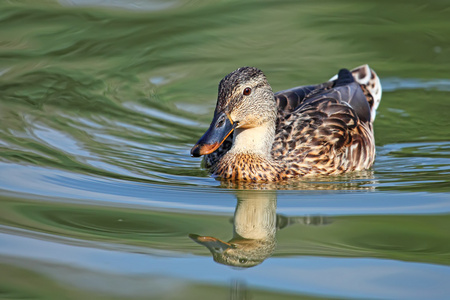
257	135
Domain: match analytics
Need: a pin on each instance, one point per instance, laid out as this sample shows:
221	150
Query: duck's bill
221	127
213	244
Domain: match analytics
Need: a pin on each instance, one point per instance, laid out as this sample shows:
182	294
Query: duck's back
365	78
327	129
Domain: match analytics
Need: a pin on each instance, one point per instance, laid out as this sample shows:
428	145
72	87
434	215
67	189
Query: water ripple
135	5
395	83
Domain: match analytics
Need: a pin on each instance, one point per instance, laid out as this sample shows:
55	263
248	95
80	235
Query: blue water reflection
116	272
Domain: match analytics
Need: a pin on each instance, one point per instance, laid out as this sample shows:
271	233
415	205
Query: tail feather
370	84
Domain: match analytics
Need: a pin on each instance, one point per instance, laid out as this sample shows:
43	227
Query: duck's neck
255	215
256	140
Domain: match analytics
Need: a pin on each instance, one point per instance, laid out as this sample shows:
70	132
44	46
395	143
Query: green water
101	101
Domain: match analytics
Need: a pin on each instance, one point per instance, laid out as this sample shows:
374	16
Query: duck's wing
324	136
330	132
345	90
366	78
289	100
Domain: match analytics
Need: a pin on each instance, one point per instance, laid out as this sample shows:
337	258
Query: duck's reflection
254	234
254	231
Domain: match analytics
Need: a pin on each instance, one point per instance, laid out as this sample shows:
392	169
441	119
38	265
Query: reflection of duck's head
254	231
237	252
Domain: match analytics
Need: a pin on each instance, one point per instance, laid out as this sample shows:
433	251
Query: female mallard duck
323	129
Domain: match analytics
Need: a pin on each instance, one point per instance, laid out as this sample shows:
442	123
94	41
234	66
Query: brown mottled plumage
323	129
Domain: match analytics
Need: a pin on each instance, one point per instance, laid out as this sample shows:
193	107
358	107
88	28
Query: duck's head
245	100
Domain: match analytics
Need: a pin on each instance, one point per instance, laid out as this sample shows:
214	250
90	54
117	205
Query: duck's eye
242	260
247	91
